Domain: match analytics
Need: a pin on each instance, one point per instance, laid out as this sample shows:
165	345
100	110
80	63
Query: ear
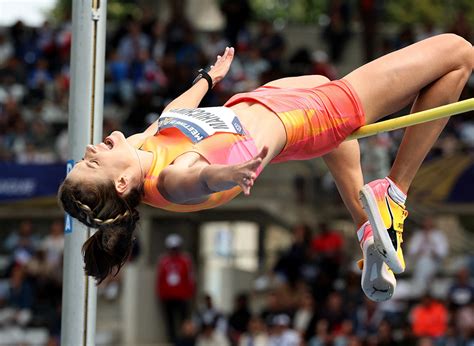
121	184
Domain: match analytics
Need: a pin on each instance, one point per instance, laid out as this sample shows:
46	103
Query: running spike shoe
378	281
386	217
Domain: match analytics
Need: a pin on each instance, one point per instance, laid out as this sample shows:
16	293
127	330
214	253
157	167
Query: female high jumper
197	158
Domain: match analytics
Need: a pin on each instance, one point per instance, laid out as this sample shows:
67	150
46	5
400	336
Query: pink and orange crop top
215	133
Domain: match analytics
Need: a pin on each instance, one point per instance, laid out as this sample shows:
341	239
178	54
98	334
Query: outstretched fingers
248	171
222	65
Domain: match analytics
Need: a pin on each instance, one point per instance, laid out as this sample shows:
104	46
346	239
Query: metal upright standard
85	127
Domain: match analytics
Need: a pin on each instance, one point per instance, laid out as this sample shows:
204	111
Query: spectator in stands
464	324
24	248
429	319
352	296
428	247
175	284
461	292
208	313
304	313
327	245
337	32
21	296
272	308
39	79
237	14
322	65
256	334
334	313
22	237
239	318
134	42
188	334
291	262
214	44
178	26
271	43
53	244
210	335
385	334
368	319
345	335
376	159
282	333
6	49
254	66
368	11
146	75
321	336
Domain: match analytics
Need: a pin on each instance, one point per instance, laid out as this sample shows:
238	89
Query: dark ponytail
100	206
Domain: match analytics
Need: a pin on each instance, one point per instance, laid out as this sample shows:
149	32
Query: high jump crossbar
414	119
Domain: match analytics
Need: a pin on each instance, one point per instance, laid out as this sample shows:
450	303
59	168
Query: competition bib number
200	123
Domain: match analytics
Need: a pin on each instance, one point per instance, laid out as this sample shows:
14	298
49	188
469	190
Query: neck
145	160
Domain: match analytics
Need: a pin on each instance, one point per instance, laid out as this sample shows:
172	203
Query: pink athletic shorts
316	119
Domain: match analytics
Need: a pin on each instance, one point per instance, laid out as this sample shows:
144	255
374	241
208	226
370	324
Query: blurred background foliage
441	12
116	9
403	12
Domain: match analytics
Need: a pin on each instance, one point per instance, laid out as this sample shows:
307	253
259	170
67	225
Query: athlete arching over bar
197	158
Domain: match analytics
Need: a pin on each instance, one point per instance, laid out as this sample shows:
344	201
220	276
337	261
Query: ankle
395	192
398	183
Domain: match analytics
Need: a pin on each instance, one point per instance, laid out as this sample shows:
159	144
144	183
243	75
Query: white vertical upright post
85	127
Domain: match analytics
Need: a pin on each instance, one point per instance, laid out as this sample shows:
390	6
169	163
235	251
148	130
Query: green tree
116	9
440	12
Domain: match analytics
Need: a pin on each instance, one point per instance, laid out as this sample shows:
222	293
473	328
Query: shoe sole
382	240
377	282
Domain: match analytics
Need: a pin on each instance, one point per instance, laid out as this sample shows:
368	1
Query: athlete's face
113	159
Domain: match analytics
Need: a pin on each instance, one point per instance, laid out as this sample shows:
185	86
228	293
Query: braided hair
98	205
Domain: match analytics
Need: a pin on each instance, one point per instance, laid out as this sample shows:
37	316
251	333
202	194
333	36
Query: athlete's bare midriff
263	125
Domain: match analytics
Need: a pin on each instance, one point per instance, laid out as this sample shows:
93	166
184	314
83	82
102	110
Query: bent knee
460	50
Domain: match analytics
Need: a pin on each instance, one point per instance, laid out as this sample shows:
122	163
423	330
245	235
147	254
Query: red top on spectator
175	277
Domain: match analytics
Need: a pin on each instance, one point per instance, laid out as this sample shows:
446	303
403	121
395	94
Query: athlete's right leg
431	72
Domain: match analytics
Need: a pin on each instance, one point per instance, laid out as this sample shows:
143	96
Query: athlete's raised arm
182	184
193	96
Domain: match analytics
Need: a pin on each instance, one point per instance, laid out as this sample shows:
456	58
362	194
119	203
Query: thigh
391	82
310	81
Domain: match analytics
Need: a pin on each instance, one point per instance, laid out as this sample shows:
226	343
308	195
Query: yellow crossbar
413	119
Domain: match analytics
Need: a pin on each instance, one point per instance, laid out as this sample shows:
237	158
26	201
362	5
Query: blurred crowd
150	61
316	300
31	269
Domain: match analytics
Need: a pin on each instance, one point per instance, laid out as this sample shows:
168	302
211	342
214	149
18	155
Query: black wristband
202	73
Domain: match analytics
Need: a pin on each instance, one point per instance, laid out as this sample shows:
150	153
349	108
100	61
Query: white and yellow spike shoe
386	217
378	281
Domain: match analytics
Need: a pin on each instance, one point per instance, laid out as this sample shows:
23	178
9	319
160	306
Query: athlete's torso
215	134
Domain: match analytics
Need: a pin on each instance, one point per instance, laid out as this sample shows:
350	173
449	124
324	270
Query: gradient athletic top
215	133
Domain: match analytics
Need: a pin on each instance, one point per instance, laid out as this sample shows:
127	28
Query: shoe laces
400	224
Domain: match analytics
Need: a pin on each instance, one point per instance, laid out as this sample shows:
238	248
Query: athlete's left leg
344	165
377	281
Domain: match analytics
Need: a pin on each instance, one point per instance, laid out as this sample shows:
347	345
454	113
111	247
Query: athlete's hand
221	66
245	174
